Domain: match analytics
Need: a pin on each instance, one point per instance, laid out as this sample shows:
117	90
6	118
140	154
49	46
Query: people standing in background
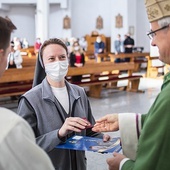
55	108
67	42
17	141
17	43
37	45
118	47
25	43
14	58
128	45
77	59
83	43
99	46
72	40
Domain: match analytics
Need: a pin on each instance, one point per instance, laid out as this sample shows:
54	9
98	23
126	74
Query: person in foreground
145	138
56	109
18	147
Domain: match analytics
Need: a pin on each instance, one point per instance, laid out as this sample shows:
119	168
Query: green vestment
153	151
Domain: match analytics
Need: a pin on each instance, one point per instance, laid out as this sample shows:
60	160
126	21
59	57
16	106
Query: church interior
111	87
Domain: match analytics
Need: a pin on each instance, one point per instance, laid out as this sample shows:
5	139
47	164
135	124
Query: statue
99	23
66	22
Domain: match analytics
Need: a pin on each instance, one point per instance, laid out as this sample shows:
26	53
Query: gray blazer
46	115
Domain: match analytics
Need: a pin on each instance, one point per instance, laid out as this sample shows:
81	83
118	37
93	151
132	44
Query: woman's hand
107	123
73	124
78	64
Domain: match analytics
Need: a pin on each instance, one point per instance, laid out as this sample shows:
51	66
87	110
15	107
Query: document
84	143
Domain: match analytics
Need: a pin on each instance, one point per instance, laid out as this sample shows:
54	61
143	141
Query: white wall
23	17
132	17
56	22
83	15
120	7
142	26
134	14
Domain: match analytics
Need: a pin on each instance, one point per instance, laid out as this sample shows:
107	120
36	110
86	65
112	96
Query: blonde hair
80	49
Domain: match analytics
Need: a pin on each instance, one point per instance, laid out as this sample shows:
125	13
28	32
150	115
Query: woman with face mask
55	108
77	60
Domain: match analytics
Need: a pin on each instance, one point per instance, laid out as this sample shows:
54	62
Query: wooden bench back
28	51
27	73
99	68
18	81
123	55
18	75
28	61
129	55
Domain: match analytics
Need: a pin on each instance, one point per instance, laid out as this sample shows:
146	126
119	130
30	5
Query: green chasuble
153	151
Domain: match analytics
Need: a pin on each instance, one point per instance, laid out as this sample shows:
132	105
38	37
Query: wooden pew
28	61
102	56
95	84
132	56
136	57
28	51
152	71
89	56
16	81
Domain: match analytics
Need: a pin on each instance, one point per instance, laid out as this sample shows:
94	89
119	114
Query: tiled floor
113	101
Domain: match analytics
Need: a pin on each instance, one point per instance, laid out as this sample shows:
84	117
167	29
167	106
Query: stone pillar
41	19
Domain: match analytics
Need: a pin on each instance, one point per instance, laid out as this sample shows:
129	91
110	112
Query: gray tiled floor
113	101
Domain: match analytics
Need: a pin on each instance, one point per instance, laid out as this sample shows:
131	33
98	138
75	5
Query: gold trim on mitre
157	9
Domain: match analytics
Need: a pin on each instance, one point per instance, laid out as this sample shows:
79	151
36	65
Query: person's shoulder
163	96
34	91
9	120
75	88
9	116
7	113
165	90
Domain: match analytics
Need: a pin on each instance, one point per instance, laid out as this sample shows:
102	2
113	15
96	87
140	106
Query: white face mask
57	70
76	48
98	40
